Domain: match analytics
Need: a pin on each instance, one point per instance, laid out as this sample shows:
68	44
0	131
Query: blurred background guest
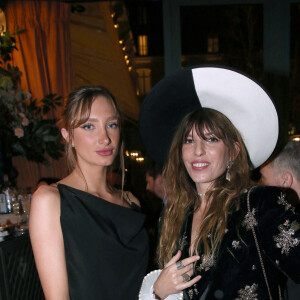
155	182
283	170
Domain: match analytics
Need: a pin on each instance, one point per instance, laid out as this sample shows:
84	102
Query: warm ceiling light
116	25
295	137
134	154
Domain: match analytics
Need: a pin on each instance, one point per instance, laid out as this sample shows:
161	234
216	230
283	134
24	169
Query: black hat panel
178	96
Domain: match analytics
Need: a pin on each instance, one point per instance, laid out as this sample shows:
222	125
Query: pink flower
25	121
19	132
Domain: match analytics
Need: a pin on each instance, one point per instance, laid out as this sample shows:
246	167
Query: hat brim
241	99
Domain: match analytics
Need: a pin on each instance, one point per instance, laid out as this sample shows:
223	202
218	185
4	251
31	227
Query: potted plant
25	126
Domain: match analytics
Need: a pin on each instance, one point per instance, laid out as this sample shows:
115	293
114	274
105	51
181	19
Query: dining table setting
14	213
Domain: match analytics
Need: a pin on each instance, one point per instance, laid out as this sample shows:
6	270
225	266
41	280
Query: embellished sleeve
278	227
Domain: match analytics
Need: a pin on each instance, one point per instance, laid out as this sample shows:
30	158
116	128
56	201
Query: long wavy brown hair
182	194
77	111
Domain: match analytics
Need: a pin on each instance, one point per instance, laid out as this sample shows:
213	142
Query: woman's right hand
171	281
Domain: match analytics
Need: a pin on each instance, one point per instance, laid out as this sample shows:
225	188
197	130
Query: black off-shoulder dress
106	246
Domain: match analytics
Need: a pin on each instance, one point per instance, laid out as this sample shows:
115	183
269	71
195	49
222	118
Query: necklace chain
201	195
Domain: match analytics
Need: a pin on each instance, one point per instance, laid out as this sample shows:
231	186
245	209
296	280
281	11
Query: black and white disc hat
242	100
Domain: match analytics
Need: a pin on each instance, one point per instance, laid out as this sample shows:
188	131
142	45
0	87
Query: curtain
44	58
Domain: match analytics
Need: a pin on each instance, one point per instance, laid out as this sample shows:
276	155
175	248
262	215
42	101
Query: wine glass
25	206
16	208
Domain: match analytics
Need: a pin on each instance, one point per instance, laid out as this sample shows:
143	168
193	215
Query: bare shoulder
45	193
46	189
132	198
45	203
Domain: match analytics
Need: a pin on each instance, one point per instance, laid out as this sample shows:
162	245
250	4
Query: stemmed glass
16	208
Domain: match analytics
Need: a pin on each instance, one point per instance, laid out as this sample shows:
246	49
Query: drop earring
229	163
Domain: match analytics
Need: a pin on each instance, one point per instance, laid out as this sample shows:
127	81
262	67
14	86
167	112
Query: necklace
201	195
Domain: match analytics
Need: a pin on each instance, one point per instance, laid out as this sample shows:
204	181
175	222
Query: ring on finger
179	265
186	277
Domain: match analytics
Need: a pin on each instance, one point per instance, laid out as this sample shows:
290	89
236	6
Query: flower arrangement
25	128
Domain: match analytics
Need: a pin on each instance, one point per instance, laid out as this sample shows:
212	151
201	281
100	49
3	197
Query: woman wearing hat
221	236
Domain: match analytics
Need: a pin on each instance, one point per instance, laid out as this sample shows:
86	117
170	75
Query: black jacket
236	274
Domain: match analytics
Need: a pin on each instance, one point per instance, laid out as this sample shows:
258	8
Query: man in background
283	170
155	182
156	202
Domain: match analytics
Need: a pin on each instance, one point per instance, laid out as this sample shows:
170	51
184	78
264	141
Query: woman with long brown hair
88	237
221	236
